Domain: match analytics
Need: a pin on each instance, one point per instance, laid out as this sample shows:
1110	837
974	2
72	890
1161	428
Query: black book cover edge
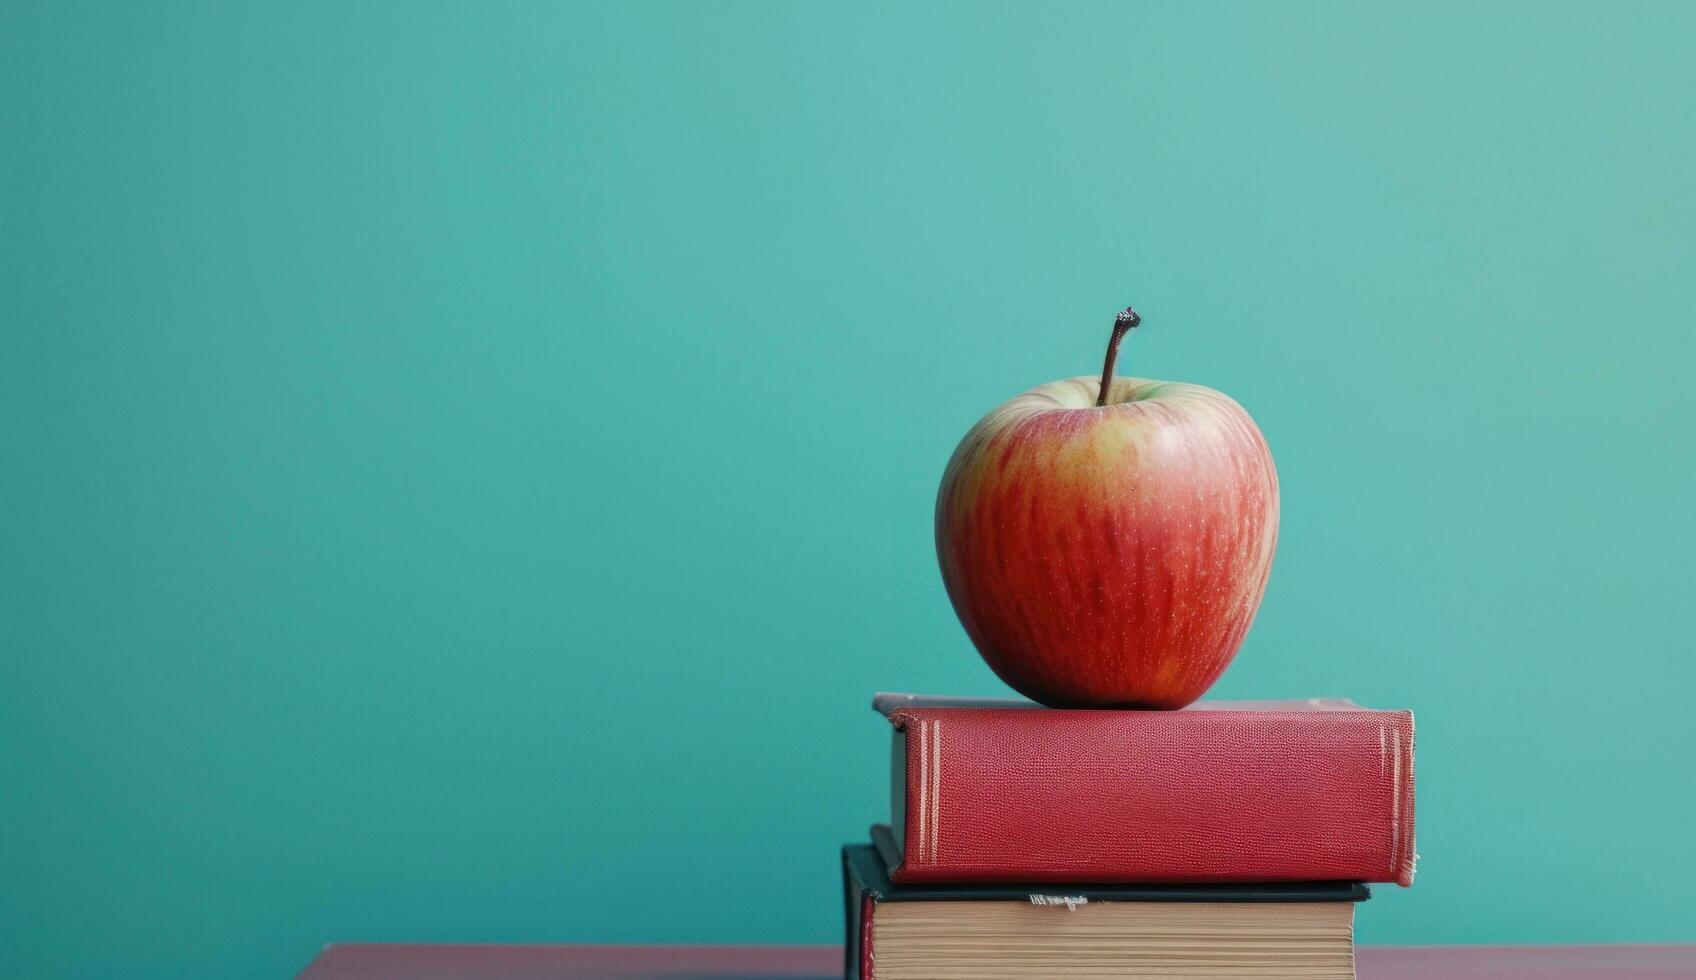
884	854
853	895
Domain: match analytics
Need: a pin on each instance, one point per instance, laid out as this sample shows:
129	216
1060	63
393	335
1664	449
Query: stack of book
1224	839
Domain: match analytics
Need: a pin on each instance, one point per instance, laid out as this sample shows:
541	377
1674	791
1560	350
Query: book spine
1218	796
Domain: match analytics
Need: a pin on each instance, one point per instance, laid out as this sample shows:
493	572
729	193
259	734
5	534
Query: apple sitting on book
1106	543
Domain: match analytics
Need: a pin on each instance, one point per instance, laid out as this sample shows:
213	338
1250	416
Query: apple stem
1124	323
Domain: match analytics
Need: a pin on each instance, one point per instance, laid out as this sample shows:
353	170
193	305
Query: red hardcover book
1221	791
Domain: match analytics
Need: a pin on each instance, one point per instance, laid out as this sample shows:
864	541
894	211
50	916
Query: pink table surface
370	961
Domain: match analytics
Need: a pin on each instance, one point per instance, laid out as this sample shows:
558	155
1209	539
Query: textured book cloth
894	931
1223	791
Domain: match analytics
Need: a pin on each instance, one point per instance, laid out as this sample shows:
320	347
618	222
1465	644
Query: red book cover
1221	791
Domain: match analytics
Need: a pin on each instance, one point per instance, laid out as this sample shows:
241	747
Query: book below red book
1221	791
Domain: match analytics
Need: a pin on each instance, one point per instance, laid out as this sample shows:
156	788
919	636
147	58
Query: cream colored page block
1004	940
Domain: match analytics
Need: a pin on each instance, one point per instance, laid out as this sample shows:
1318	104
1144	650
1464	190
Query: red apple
1109	551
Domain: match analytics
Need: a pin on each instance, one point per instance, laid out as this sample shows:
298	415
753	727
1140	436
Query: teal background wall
467	467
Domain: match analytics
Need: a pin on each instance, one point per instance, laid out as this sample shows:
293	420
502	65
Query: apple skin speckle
1109	555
